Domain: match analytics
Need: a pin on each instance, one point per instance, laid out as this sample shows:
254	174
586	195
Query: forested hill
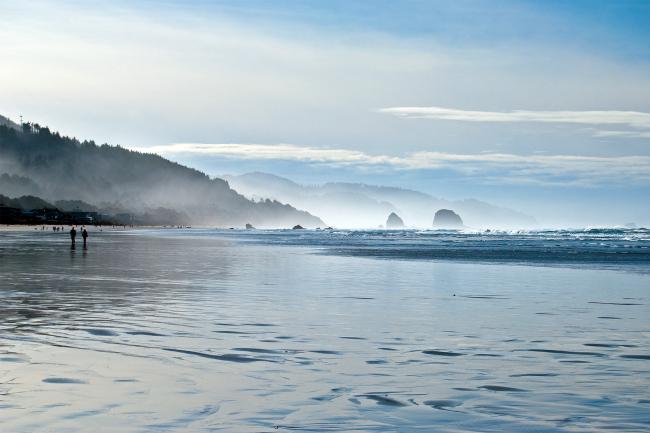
6	122
37	161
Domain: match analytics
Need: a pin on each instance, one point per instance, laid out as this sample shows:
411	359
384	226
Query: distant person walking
73	235
84	234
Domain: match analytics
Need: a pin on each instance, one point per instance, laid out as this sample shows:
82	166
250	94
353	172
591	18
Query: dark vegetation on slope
36	161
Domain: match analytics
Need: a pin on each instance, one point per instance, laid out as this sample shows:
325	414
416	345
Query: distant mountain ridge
35	161
357	205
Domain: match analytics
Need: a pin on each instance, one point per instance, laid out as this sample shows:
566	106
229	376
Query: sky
540	106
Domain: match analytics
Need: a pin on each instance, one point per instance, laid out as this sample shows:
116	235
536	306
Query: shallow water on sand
184	331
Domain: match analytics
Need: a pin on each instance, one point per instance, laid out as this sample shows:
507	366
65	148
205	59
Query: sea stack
298	227
447	219
394	221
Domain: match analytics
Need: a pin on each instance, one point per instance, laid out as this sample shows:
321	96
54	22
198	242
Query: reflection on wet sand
146	332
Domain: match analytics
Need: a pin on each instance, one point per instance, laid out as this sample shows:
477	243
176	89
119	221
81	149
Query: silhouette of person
73	235
84	234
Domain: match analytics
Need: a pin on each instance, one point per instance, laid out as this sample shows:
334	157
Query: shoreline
48	227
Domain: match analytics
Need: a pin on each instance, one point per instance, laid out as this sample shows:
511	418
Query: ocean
203	330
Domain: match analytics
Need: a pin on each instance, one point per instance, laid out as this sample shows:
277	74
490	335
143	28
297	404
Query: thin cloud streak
288	152
623	134
511	168
633	119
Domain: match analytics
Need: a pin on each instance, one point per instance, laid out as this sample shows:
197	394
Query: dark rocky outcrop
394	221
249	226
298	227
446	218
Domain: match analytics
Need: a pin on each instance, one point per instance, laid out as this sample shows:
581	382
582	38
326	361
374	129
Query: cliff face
40	162
394	221
446	218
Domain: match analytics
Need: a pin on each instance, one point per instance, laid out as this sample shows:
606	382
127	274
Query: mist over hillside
8	123
357	205
36	161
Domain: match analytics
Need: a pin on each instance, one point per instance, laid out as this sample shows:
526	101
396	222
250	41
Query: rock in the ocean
298	227
249	226
446	218
394	221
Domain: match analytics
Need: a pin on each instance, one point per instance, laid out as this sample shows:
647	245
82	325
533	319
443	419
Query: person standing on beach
73	235
84	234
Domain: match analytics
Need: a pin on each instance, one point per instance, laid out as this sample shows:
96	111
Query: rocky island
447	219
394	221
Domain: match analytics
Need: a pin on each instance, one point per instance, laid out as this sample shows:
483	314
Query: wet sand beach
198	331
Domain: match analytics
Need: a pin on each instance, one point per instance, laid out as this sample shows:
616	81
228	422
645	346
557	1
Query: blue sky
537	105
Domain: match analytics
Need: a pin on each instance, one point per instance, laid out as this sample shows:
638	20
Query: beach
208	330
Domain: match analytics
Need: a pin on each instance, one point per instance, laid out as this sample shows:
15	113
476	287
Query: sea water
351	331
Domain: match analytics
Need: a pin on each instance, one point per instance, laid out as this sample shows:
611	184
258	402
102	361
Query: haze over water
383	331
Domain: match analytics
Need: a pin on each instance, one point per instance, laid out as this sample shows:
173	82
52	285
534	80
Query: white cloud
174	73
502	167
634	119
286	152
623	134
